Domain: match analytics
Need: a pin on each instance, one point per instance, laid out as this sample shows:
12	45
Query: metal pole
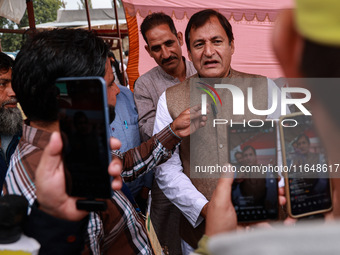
88	15
120	43
30	13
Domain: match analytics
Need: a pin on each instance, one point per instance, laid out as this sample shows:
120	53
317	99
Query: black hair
249	147
50	55
200	18
6	62
155	19
237	152
303	135
116	64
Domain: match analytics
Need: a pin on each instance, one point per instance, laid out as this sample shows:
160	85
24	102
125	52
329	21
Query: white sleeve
170	178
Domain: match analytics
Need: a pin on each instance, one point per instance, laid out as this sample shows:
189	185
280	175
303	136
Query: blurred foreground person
307	44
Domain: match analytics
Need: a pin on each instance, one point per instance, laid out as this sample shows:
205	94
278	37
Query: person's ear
232	45
288	44
180	38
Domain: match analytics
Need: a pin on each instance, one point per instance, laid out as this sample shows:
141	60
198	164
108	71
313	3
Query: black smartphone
307	183
84	122
253	155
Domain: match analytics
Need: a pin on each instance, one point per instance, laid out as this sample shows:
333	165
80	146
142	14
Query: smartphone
84	122
307	183
253	155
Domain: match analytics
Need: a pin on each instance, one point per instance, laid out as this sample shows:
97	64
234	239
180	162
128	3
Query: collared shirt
125	125
148	88
117	230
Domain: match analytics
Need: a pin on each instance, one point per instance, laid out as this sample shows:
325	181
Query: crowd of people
157	130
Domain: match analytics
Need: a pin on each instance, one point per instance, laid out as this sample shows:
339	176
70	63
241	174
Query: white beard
10	121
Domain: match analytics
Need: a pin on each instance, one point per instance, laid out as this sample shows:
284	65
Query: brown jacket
209	145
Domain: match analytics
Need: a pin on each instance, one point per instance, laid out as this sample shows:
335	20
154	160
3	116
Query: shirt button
221	146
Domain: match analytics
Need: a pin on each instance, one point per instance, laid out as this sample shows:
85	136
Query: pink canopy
252	23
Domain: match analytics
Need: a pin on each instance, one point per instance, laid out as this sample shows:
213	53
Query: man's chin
170	67
112	113
212	73
11	121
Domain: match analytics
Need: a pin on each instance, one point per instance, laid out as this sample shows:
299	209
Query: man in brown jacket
210	44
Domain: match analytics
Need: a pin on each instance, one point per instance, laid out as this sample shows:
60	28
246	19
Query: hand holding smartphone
252	151
307	184
84	122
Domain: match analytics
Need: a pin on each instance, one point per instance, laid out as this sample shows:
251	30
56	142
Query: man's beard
112	113
10	121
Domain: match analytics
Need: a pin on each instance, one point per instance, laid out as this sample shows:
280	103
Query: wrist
174	130
63	211
46	209
204	210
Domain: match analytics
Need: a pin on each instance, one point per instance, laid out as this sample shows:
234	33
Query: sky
73	4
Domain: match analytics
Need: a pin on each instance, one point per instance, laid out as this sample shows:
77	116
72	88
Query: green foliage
44	11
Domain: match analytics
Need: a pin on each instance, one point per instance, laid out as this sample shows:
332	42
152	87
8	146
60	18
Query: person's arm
146	109
221	216
140	160
160	147
54	220
175	185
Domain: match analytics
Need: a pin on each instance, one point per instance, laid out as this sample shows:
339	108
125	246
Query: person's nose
9	90
165	52
209	49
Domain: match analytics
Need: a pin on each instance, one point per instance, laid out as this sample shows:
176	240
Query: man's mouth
9	104
168	60
210	63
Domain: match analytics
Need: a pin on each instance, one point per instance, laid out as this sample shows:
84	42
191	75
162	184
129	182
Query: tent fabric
95	14
239	9
12	9
252	23
132	68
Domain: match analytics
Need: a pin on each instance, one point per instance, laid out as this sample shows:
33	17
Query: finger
195	115
289	221
282	200
117	183
281	191
261	225
115	167
195	108
203	123
55	144
228	174
51	156
115	144
223	188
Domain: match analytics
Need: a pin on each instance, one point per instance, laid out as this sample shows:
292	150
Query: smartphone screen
253	153
83	118
308	186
